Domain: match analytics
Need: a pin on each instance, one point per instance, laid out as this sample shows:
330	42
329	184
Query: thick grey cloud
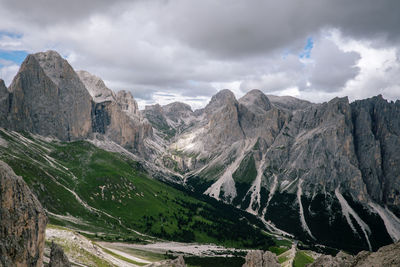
243	28
193	48
332	67
49	12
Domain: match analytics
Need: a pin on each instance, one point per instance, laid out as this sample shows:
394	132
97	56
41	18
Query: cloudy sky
182	50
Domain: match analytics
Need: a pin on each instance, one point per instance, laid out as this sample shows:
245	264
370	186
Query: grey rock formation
58	257
128	104
116	115
22	222
4	102
96	87
258	258
302	166
178	262
386	256
377	142
340	260
289	102
48	98
178	112
170	120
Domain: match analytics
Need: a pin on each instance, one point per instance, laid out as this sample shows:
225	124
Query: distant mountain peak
256	98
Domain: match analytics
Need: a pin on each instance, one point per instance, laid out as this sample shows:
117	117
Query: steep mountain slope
48	98
301	167
90	189
116	116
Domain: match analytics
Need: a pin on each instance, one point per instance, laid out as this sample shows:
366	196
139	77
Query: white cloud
192	49
8	69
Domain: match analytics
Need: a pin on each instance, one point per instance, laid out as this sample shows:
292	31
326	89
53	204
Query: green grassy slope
91	189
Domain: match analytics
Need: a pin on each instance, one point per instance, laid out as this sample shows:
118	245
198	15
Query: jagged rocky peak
3	88
55	67
255	100
22	222
177	110
219	100
96	87
127	103
4	96
289	102
177	107
48	98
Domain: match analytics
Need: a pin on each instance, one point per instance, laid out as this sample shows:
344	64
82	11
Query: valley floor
82	251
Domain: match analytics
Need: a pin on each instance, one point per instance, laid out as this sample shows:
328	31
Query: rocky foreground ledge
386	256
22	222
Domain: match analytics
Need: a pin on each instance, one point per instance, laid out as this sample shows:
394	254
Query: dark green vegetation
301	259
88	188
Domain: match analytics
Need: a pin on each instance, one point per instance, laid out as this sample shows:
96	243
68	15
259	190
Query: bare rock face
58	257
386	256
48	98
96	87
377	142
4	101
128	104
340	260
22	222
178	262
223	120
116	115
258	118
289	103
258	258
178	112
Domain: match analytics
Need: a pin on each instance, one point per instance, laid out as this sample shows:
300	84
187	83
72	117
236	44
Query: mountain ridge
300	167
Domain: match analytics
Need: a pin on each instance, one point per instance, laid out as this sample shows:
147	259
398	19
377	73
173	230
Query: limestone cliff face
377	143
299	166
96	87
317	146
128	104
116	115
48	98
22	222
4	101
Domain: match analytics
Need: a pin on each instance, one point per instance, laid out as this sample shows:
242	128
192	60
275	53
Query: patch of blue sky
306	53
15	56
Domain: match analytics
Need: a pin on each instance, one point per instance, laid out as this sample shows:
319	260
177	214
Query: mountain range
326	174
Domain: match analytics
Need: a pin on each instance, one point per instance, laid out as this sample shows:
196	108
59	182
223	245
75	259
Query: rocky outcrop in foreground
386	256
57	257
22	222
258	258
178	262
